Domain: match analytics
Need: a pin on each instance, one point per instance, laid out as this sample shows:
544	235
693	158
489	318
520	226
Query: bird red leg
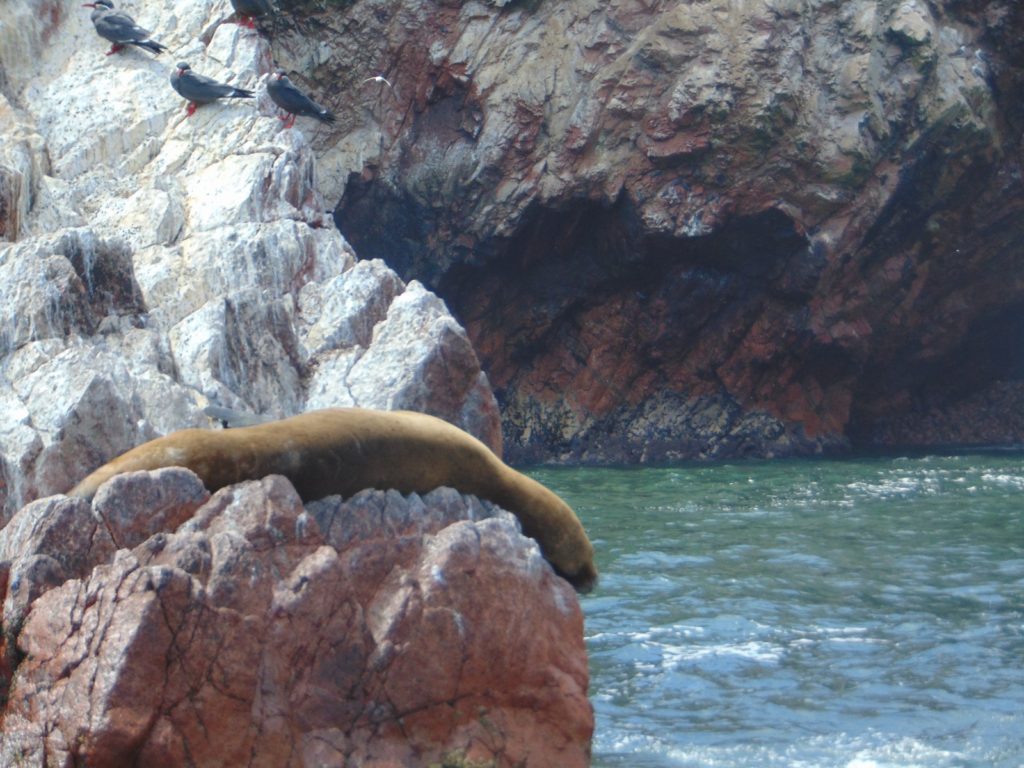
291	122
190	109
250	22
115	48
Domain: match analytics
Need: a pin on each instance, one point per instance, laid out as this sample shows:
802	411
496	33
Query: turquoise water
862	614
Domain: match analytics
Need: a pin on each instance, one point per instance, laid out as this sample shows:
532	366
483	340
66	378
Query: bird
293	101
199	89
120	28
378	79
249	10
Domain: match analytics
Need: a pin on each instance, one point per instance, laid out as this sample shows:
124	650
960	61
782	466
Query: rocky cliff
153	265
161	627
697	229
156	263
671	229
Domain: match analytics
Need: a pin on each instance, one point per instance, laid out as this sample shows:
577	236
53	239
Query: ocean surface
857	613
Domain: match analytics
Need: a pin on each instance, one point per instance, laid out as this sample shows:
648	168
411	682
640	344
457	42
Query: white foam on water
753	651
905	753
841	750
888	488
1003	480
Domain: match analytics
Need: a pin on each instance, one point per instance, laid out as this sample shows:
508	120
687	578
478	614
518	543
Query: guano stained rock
153	263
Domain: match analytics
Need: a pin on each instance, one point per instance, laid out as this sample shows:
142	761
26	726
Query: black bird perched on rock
120	28
293	101
249	10
199	89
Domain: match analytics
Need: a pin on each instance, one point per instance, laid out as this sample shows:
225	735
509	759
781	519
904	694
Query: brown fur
344	450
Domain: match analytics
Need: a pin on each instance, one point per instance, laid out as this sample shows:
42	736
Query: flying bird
120	28
293	101
378	79
199	89
250	10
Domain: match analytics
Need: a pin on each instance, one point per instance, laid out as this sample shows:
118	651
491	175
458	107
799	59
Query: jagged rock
169	496
160	263
382	630
344	316
800	222
61	532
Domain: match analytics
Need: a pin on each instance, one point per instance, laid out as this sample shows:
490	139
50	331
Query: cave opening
992	350
582	318
565	261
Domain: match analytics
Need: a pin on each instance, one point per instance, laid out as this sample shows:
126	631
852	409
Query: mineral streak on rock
382	629
699	229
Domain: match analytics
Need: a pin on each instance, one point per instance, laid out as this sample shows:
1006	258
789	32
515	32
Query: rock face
155	264
701	228
164	627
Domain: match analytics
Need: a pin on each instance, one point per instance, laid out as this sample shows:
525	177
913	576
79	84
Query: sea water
859	613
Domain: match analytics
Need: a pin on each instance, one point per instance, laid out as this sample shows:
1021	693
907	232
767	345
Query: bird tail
325	117
240	93
150	45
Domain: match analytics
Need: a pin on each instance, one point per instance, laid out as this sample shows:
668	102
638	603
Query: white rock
201	266
350	306
419	358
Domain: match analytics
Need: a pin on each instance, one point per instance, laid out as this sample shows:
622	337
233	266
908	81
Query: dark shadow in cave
564	262
991	351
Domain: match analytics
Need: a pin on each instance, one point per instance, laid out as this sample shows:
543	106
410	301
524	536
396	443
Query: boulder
163	628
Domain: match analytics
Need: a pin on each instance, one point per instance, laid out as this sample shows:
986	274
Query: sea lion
344	450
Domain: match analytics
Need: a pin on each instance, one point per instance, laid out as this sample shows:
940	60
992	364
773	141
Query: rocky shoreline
613	231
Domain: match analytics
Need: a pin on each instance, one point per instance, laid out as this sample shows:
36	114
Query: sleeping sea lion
344	450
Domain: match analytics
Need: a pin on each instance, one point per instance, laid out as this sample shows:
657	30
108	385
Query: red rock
674	207
170	496
384	630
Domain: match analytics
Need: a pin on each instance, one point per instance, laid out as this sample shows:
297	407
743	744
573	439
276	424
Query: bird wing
379	79
119	27
201	88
